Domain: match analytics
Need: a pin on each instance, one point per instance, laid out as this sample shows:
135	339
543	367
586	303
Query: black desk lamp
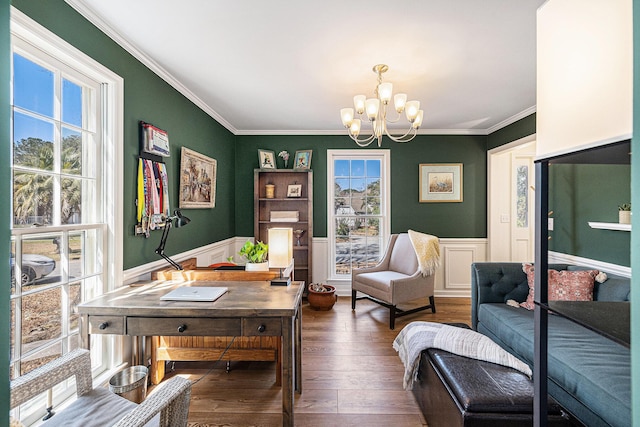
180	221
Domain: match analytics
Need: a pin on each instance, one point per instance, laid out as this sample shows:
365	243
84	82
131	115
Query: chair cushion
98	408
403	256
380	279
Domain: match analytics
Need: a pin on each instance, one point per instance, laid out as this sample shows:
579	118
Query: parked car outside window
34	267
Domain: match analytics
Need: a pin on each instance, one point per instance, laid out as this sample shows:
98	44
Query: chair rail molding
453	277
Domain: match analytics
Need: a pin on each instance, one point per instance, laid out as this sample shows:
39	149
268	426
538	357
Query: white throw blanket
418	336
427	249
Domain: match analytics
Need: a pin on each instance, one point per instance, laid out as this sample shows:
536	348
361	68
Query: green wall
149	98
466	219
5	216
582	193
519	129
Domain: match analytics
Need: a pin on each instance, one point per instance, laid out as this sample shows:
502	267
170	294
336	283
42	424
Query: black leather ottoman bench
457	391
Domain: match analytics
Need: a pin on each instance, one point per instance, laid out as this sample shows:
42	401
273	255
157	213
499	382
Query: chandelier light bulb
384	92
411	110
418	121
372	106
347	116
399	101
355	127
358	103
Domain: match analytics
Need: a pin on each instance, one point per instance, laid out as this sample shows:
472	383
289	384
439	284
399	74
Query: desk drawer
197	326
257	326
106	325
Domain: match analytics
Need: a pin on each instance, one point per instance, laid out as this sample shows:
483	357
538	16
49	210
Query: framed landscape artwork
197	180
440	182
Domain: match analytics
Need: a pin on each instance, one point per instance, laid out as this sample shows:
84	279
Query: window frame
384	155
28	35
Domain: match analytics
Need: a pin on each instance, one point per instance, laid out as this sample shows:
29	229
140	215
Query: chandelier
375	111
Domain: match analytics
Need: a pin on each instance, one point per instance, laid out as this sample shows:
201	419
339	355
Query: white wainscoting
453	277
206	255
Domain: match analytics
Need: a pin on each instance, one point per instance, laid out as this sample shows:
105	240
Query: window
359	206
66	139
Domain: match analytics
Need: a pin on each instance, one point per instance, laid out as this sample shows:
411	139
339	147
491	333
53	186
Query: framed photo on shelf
441	182
197	180
294	190
302	160
267	159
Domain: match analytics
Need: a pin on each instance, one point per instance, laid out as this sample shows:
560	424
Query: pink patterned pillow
564	285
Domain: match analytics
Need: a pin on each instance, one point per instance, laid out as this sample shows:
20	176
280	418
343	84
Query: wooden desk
248	309
197	348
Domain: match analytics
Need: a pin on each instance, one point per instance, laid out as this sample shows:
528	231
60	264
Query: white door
510	202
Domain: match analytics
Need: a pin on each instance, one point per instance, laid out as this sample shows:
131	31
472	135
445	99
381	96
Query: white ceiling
287	67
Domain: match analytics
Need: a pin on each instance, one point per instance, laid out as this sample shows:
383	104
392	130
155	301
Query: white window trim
385	229
28	30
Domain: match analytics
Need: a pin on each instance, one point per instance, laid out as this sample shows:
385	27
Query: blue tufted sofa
589	375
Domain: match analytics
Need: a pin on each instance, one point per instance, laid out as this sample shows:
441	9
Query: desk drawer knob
102	326
262	328
182	328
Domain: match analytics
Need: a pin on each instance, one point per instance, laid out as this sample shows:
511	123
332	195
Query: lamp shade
280	247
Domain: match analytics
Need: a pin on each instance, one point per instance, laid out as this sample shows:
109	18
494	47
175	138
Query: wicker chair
396	279
168	405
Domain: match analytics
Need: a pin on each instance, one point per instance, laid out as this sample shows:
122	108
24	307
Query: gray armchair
396	279
168	405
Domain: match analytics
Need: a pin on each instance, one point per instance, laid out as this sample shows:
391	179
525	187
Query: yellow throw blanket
427	249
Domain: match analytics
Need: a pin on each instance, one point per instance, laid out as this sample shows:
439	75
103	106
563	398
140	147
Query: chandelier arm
403	138
362	142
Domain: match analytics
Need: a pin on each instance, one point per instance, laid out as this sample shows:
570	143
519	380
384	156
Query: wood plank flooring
351	376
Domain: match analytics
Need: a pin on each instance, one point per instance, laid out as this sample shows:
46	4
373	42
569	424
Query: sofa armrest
76	363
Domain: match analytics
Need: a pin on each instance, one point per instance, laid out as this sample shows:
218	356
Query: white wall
584	74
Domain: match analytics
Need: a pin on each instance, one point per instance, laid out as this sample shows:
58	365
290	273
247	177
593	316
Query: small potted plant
321	297
256	256
624	213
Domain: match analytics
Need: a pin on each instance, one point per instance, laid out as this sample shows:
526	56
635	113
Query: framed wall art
302	160
440	182
267	159
197	180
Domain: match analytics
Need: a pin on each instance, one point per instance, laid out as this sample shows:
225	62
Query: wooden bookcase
263	206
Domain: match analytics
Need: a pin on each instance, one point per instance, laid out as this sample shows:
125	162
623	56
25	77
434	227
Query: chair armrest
77	362
170	400
378	267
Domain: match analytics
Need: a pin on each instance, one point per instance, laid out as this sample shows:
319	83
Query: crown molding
92	17
506	122
344	132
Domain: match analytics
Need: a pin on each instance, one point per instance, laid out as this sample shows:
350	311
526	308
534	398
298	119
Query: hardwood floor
351	376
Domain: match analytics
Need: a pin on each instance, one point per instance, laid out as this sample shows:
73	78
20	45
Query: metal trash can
130	383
